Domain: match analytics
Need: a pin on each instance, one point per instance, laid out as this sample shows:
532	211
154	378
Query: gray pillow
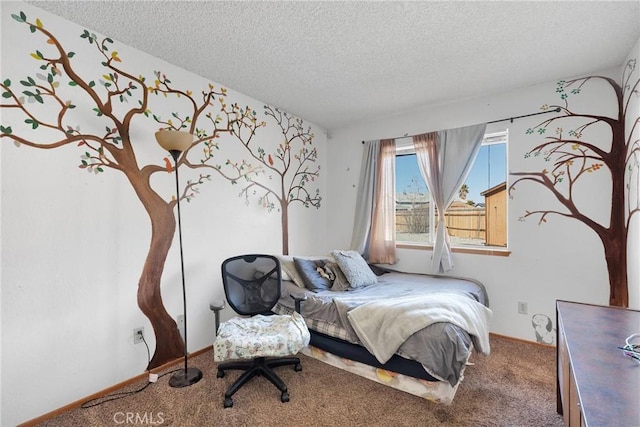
340	282
355	268
312	273
289	270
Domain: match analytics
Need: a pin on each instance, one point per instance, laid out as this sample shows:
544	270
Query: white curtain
374	232
445	159
364	200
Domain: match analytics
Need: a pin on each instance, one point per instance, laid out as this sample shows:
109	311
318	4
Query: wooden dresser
597	384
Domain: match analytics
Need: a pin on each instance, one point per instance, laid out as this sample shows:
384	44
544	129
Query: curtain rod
511	119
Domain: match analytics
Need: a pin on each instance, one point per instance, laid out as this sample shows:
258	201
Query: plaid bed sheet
326	328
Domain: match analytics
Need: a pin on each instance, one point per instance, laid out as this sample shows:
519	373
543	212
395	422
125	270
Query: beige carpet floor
514	386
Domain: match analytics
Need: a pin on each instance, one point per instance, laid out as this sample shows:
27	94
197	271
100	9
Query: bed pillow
355	268
288	269
378	271
340	282
313	274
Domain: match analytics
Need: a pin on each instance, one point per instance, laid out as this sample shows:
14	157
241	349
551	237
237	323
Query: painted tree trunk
284	209
615	238
169	343
615	252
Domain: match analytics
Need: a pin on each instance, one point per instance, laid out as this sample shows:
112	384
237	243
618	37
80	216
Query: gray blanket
384	325
442	348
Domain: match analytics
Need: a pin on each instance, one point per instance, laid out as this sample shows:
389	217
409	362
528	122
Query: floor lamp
176	142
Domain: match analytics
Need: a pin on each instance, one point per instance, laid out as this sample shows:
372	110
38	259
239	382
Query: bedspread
384	325
442	348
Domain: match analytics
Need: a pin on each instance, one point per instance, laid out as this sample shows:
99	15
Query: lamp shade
174	140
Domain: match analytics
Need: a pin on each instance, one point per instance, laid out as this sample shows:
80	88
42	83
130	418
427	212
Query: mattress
442	348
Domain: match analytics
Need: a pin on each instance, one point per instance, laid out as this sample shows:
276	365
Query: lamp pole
176	142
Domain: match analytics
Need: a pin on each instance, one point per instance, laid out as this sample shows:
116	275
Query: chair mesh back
252	283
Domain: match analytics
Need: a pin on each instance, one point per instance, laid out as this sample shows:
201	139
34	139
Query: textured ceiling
337	62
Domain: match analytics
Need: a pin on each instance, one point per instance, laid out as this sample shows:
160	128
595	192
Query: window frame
490	138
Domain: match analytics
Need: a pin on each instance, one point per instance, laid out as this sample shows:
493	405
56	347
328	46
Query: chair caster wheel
228	402
285	397
298	367
220	374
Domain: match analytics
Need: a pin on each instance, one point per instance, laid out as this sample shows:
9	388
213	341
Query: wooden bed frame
399	373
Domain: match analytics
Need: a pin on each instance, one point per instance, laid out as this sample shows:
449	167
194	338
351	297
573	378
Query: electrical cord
632	349
120	395
148	351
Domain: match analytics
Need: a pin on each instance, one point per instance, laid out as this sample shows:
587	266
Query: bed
412	332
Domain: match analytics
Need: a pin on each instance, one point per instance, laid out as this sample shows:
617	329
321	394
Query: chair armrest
298	298
216	306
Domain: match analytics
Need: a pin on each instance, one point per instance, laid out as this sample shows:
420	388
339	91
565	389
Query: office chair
264	341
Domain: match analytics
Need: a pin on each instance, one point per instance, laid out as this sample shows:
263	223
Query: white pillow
355	268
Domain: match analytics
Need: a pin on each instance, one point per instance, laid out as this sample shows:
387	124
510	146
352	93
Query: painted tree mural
571	158
292	164
119	99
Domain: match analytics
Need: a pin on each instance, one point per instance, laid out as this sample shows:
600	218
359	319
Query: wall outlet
138	333
522	307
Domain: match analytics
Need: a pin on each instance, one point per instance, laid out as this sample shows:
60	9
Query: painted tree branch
573	158
114	148
291	184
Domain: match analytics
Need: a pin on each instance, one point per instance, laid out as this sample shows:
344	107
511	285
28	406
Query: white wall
561	259
73	243
633	195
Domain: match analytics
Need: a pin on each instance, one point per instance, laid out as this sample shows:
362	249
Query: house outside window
478	215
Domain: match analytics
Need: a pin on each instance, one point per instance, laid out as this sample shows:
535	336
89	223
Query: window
478	215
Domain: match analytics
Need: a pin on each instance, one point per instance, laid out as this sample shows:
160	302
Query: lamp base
184	378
